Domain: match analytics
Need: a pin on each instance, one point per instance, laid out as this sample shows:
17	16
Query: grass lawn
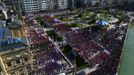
66	49
54	36
80	63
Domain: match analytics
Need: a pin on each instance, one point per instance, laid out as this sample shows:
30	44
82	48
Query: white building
63	4
42	5
72	4
46	4
30	5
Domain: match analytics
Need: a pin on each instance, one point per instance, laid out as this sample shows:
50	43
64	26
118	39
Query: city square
66	37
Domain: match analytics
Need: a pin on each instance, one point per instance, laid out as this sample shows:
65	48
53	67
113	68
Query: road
127	60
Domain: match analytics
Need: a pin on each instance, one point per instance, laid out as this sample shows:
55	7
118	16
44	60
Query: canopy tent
102	23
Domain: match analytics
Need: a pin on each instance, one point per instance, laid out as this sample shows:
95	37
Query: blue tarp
11	41
1	33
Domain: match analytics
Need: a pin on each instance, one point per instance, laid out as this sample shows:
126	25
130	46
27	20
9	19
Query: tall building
43	5
79	3
46	4
30	5
72	4
63	4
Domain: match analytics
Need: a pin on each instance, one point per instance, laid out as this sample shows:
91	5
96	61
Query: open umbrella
102	23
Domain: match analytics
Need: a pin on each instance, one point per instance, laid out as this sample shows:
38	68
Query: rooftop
12	44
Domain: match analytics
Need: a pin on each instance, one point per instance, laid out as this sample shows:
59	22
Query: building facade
16	60
15	56
63	4
72	4
43	5
30	5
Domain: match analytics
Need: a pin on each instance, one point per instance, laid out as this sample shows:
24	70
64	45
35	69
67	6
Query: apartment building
30	5
43	5
63	4
71	4
46	4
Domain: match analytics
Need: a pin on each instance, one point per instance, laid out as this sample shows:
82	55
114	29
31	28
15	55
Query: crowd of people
34	35
99	45
114	40
50	61
62	27
48	58
86	48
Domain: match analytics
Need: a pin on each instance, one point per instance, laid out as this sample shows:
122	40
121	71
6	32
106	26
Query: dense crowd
99	45
62	27
113	40
48	58
87	48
